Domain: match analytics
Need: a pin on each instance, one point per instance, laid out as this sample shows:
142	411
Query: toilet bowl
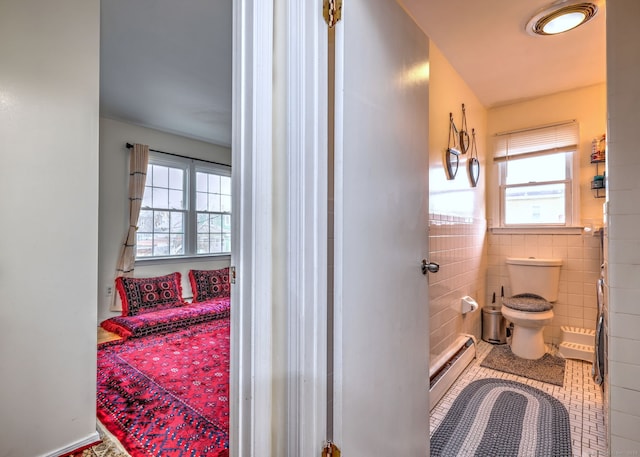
534	284
527	340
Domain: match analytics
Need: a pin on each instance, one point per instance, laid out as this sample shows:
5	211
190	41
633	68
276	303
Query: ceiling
486	42
166	64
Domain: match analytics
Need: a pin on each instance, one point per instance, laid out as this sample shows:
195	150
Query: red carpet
167	395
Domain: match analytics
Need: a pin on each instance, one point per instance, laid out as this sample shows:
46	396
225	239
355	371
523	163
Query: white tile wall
623	400
580	254
623	258
457	245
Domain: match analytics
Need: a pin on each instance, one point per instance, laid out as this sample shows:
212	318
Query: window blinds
538	141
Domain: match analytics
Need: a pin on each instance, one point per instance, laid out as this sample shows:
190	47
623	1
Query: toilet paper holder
468	304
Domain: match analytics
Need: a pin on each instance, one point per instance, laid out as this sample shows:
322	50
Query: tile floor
580	395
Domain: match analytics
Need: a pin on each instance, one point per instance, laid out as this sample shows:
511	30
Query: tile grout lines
579	394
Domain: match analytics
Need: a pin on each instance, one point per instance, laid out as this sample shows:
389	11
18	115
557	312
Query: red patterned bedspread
168	320
167	395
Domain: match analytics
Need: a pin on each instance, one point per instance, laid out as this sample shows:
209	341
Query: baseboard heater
448	367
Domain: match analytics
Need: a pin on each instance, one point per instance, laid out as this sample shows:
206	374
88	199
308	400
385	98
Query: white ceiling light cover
561	16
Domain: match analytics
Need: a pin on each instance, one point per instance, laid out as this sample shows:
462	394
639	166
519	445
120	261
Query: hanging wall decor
452	154
473	164
464	132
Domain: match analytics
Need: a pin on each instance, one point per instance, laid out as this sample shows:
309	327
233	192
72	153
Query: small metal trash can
494	325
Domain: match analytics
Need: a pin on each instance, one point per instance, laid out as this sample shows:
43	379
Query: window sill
537	230
182	259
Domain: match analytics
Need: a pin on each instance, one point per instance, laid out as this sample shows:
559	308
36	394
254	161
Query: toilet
534	285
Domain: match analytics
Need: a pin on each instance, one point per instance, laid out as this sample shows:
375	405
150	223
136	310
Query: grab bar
597	369
600	293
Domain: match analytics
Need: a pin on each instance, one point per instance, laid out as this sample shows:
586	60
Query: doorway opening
166	81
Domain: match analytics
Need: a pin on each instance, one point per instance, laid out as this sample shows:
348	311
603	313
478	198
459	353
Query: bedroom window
186	209
213	212
535	176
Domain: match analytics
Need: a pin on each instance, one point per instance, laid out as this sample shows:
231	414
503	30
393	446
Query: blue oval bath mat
501	418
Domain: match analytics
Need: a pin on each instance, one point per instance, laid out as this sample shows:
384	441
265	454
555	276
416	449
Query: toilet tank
534	276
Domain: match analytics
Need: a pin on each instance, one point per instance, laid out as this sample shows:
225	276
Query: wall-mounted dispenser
468	304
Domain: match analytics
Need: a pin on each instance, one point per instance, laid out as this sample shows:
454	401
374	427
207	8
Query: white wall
457	223
587	105
49	205
114	203
576	305
623	166
448	91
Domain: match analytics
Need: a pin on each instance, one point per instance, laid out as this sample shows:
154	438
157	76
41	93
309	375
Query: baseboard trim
83	443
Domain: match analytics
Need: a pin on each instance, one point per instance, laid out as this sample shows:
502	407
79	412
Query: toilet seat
529	314
526	318
530	303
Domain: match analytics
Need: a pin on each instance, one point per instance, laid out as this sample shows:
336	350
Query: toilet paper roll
468	304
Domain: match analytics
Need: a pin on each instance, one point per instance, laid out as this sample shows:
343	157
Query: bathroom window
186	209
535	176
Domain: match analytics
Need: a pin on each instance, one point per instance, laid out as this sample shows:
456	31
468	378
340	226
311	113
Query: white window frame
190	167
202	167
572	190
568	201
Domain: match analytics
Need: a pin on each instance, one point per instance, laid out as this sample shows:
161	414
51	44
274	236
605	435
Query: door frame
250	381
301	57
307	203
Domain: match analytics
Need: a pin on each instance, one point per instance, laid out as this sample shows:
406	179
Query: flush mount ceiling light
561	16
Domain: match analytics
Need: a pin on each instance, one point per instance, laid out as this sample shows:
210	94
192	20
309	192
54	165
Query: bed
155	305
162	389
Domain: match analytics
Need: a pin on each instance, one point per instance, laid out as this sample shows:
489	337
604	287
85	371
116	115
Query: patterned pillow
143	295
208	284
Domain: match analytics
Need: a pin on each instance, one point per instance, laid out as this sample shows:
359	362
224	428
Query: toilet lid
527	302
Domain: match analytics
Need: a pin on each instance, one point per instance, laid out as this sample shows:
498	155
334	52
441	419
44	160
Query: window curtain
537	141
138	161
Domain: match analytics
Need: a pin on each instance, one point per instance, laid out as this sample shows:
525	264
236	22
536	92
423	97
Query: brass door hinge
330	450
232	275
332	12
